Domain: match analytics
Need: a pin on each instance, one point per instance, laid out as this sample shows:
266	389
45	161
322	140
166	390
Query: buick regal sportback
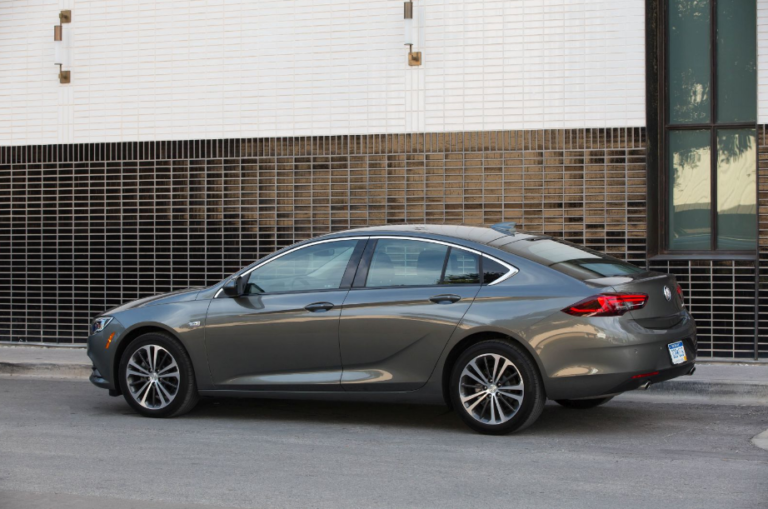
490	321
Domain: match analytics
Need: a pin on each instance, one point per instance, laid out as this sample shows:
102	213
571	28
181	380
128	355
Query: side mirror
235	287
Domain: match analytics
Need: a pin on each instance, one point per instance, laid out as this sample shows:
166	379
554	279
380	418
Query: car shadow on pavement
554	419
328	413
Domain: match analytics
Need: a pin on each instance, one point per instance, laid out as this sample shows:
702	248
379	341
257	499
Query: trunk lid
659	311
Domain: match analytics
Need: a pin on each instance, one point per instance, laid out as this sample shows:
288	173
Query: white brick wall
164	69
29	93
762	61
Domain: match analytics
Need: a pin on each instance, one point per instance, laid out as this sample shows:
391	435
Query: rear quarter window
492	270
576	261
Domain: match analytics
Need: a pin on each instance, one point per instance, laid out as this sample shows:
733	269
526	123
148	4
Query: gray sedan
490	321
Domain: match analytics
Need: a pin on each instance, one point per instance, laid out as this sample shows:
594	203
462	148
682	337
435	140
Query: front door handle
446	298
319	307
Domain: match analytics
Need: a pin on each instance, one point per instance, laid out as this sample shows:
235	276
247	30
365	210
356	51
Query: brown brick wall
762	204
86	227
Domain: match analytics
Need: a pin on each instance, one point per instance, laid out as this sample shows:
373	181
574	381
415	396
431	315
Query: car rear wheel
583	404
156	376
496	388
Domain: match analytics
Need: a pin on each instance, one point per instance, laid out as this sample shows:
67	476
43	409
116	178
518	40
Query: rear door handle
446	298
319	307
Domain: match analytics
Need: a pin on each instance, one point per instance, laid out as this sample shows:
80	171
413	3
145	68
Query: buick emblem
667	293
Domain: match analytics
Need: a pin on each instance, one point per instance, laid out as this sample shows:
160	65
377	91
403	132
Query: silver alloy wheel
153	377
491	388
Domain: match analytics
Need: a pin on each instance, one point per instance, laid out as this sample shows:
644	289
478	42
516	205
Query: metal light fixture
414	58
62	47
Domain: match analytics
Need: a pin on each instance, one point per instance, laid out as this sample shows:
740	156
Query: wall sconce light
414	58
61	45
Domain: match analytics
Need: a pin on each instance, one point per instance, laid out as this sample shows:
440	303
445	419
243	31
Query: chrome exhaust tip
692	371
644	386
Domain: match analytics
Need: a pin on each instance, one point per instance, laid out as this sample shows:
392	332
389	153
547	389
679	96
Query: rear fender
511	310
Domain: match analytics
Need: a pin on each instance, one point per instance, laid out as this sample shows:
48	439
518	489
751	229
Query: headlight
100	324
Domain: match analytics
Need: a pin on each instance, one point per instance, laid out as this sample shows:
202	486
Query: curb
744	392
46	370
44	346
747	393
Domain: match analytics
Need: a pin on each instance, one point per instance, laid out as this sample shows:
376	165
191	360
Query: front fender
175	318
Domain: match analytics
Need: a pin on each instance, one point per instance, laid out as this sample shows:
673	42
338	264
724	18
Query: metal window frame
712	126
656	40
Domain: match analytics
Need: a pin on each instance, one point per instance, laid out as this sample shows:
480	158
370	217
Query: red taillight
680	294
608	304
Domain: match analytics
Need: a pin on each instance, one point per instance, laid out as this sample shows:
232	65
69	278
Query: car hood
155	300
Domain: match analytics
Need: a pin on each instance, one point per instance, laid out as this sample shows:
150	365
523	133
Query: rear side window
463	267
575	261
398	262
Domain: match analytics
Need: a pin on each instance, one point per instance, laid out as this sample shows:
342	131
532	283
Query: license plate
677	351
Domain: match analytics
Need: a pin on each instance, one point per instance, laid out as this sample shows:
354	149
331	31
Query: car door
407	299
283	334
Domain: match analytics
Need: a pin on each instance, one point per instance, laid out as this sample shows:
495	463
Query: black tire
533	397
185	396
583	404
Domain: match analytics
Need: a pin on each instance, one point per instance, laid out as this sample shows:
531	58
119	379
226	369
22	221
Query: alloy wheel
491	388
153	377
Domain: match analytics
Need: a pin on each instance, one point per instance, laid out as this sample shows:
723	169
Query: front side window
317	267
710	125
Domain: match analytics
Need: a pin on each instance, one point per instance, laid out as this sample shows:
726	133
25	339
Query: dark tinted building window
710	120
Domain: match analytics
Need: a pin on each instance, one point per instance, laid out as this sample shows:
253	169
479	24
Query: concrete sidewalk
44	362
712	382
715	382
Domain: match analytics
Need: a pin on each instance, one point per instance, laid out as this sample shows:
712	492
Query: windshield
571	259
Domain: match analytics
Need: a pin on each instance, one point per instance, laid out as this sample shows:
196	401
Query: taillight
608	304
680	294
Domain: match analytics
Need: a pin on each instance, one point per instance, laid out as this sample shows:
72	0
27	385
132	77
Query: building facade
190	138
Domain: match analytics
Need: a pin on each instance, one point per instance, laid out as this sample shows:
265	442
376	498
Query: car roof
478	234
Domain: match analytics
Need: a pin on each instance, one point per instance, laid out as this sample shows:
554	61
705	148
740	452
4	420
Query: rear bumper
593	386
637	364
685	368
591	357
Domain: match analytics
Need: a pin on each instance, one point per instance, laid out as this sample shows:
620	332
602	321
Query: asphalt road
66	444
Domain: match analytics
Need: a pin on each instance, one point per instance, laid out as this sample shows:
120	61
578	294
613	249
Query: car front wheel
496	388
156	376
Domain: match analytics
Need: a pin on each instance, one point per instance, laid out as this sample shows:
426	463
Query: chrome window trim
420	239
511	269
